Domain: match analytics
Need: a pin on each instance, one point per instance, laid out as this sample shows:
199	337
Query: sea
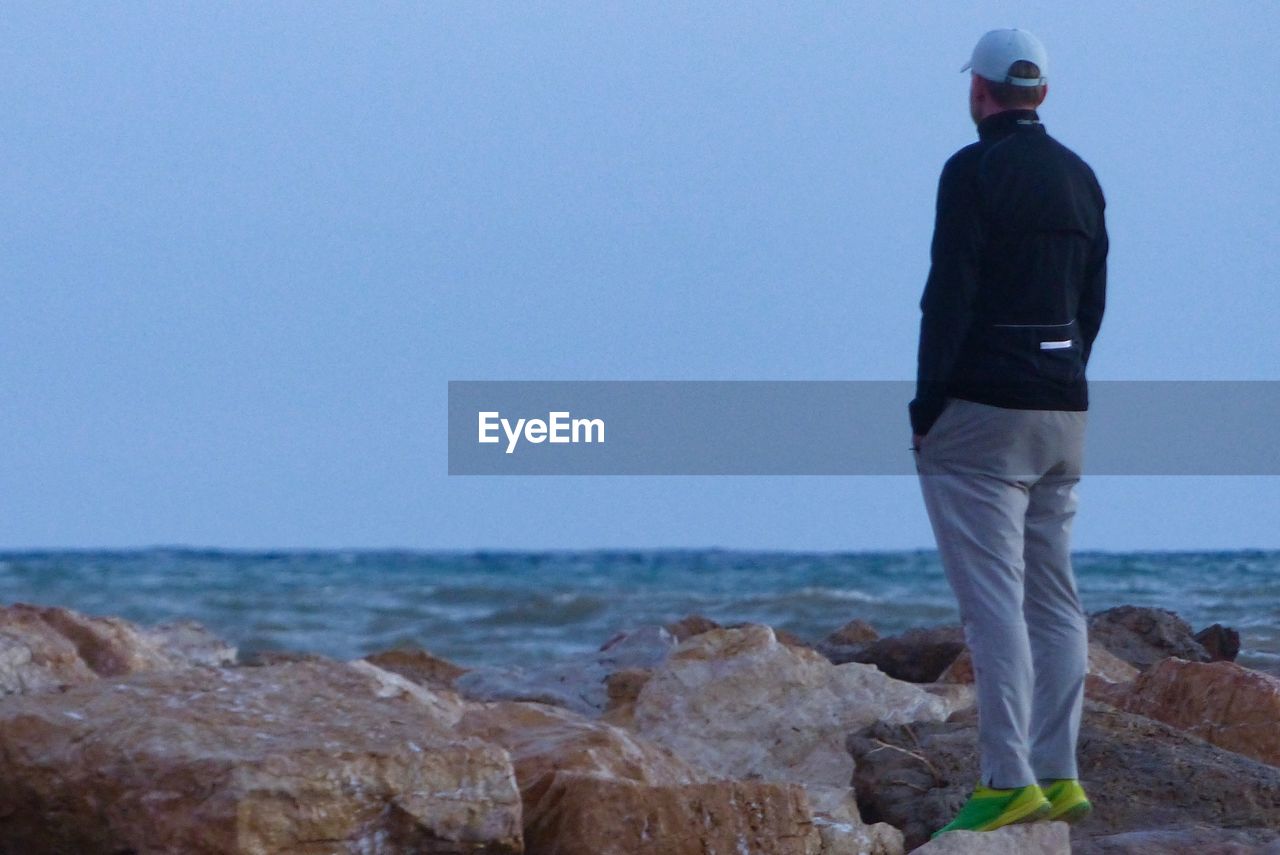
513	608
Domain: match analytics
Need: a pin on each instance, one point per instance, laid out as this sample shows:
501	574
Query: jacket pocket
1017	353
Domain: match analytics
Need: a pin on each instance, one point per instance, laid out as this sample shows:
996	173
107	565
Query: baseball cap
999	49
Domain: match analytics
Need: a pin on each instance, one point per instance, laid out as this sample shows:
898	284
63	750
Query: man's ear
983	88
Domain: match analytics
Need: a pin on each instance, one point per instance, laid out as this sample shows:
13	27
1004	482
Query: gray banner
827	428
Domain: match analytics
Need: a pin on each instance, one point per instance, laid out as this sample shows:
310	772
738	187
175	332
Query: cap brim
968	65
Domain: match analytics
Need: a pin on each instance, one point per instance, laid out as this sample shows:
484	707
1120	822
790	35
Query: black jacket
1018	281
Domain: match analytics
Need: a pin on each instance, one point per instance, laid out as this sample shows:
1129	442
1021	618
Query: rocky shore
686	739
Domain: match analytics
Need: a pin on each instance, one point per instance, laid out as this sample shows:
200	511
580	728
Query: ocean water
517	607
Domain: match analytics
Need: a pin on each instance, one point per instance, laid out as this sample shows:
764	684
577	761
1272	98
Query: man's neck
988	111
1006	121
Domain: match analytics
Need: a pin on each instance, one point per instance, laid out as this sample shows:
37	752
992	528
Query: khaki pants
999	486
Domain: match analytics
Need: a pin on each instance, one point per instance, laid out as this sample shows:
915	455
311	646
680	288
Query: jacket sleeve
947	305
1093	297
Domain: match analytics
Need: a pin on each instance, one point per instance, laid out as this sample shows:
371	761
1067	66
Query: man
1011	308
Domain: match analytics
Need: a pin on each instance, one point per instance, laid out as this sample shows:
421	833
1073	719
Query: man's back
1017	287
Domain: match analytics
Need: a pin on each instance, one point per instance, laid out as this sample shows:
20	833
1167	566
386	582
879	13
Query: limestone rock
590	788
959	696
1106	670
1222	643
185	642
960	670
419	666
1141	773
34	656
740	703
691	625
577	682
657	801
784	636
917	656
1143	636
258	658
856	631
1221	702
623	687
43	647
1036	838
1186	840
848	642
591	816
445	706
544	739
290	759
840	826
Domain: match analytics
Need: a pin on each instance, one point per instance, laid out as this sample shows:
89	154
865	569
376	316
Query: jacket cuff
924	412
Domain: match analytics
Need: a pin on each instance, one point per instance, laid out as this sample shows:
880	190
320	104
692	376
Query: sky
246	246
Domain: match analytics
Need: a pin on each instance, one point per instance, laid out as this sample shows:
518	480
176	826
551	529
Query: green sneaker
989	809
1067	798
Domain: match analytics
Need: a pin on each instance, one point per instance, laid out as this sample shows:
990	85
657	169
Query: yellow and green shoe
989	809
1067	798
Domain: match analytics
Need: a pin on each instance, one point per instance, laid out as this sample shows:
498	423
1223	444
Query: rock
1036	838
840	826
959	671
959	696
34	656
1143	636
691	625
784	637
418	666
45	648
740	704
1190	840
1226	704
539	737
917	656
590	816
848	642
289	759
1105	669
577	682
258	658
1222	643
590	788
544	740
184	643
623	687
443	704
1139	773
856	631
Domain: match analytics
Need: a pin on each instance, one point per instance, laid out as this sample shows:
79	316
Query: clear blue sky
246	246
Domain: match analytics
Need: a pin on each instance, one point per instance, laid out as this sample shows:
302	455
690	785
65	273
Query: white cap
999	49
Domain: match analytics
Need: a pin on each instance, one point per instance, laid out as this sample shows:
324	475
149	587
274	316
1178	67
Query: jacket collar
1007	121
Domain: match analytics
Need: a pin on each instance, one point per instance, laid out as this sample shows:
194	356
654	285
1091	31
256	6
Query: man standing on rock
1013	302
